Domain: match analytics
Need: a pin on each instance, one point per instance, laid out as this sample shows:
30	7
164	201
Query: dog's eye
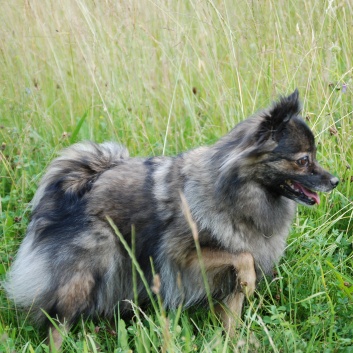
303	161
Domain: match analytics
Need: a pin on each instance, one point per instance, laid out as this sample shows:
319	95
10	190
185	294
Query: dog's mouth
299	193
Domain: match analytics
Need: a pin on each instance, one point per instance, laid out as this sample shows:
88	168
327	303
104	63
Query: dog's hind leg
56	337
74	297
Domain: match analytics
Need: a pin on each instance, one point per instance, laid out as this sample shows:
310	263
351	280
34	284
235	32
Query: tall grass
162	77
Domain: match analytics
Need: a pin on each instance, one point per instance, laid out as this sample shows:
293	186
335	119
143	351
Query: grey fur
71	261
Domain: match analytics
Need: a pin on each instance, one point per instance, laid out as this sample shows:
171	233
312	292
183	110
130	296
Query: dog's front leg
216	261
231	311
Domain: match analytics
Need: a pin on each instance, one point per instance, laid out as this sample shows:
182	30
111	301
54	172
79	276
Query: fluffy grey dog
241	194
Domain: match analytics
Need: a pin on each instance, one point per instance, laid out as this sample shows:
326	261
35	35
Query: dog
235	199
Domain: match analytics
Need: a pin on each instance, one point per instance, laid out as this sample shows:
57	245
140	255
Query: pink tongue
307	192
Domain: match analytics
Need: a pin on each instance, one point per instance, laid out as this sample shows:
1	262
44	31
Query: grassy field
162	77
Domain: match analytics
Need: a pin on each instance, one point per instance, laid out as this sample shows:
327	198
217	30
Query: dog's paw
247	281
246	274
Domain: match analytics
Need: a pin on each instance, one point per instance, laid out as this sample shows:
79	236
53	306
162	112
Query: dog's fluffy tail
78	166
35	275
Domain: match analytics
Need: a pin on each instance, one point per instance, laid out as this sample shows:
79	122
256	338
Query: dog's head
288	164
275	149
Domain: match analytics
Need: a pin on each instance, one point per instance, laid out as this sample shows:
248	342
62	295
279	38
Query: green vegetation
163	77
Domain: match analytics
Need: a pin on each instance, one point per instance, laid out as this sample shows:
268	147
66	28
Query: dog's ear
277	117
283	110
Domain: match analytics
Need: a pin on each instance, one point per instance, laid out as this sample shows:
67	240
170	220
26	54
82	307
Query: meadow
162	77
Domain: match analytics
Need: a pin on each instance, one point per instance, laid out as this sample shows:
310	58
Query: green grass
162	77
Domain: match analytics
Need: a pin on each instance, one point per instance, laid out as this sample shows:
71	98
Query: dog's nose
334	181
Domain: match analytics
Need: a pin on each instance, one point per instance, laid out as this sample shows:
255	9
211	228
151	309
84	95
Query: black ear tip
294	96
291	103
285	108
